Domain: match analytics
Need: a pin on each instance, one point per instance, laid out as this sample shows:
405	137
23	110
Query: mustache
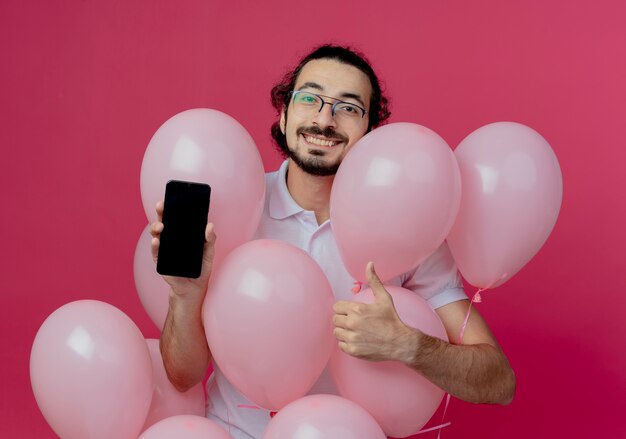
326	132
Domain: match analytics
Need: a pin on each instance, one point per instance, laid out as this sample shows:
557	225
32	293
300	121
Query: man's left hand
374	331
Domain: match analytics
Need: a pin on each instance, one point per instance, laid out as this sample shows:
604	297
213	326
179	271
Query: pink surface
409	399
270	350
394	199
85	85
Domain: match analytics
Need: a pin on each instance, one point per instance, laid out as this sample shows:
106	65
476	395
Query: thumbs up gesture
373	331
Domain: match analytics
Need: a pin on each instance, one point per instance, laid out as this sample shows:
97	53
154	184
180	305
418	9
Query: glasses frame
294	93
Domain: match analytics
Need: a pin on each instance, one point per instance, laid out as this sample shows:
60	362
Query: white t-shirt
436	280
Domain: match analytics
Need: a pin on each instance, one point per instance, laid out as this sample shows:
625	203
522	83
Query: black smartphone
185	212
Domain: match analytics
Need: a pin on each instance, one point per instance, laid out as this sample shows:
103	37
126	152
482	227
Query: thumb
380	293
209	245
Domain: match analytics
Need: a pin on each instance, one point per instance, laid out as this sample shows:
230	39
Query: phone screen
185	212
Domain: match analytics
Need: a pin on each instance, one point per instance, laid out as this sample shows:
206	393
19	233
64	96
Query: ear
283	120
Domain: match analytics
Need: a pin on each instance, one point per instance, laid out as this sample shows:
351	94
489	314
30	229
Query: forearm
477	373
183	343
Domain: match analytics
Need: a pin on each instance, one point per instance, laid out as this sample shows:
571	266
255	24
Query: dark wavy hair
379	104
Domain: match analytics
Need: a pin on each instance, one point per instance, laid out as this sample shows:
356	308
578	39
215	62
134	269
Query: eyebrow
345	95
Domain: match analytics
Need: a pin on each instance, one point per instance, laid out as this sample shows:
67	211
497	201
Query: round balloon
91	372
400	399
323	417
268	320
208	146
394	199
153	291
512	191
166	400
185	427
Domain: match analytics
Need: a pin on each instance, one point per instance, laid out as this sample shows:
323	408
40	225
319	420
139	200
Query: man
327	103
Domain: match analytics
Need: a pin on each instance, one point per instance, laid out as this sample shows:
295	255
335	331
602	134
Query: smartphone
185	212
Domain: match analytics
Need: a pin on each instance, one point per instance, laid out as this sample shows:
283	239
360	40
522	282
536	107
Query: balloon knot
477	298
272	414
357	286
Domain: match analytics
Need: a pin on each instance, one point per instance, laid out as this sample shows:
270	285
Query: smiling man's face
317	141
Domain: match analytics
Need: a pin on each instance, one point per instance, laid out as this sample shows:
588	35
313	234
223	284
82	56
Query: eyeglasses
306	102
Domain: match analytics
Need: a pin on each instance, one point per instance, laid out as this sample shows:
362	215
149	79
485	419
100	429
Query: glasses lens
304	99
344	109
305	103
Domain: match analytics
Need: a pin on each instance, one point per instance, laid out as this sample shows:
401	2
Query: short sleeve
437	279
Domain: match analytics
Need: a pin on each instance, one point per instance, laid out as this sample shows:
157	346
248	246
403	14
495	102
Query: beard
313	162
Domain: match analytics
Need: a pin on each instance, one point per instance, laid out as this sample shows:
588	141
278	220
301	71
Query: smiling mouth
320	142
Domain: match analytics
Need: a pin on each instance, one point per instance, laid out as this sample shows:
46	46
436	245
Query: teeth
320	142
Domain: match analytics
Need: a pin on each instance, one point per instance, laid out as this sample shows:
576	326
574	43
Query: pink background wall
85	84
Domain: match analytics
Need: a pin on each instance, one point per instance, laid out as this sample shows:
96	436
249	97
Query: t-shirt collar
282	204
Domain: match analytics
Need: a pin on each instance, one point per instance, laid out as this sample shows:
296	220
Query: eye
306	98
348	109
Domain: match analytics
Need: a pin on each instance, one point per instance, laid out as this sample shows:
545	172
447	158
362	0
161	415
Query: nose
324	117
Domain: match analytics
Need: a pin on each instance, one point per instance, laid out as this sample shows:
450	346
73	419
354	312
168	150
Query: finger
340	334
209	245
348	348
343	346
380	293
372	278
342	307
154	248
159	210
155	229
340	321
209	233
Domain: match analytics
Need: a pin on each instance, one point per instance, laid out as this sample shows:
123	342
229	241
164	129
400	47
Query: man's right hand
186	288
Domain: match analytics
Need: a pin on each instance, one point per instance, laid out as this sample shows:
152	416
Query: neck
311	192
